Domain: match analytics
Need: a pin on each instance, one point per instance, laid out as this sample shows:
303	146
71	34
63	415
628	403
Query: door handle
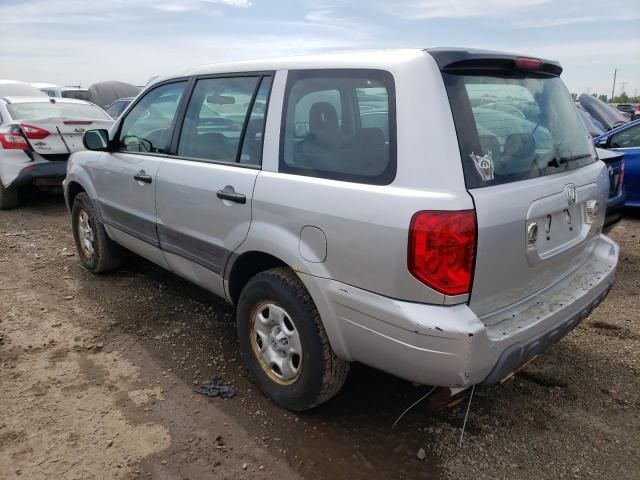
141	176
231	196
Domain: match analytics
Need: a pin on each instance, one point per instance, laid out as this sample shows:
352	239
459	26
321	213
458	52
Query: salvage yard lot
97	376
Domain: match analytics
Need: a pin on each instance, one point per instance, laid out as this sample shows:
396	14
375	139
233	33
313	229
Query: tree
574	96
603	98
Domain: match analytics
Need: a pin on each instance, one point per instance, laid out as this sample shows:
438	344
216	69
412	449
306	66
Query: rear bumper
449	345
615	210
48	173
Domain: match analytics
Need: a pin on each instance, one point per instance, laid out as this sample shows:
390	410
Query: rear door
532	172
628	141
125	177
204	191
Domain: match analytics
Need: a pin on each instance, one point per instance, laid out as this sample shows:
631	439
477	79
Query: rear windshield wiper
557	161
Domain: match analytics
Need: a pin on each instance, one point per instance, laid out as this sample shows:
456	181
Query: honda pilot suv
435	214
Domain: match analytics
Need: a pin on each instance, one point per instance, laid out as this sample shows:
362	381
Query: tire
105	255
318	374
8	197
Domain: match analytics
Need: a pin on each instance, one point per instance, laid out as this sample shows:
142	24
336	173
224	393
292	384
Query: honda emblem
570	190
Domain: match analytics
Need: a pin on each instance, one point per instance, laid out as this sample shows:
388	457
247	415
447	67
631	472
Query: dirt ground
97	377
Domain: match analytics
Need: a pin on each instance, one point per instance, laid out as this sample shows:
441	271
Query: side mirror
603	142
96	140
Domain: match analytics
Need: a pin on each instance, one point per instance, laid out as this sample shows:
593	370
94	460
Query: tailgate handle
231	196
141	176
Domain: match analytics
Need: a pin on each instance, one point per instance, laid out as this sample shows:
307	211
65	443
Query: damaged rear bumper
449	345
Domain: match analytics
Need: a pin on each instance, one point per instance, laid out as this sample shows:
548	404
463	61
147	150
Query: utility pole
614	83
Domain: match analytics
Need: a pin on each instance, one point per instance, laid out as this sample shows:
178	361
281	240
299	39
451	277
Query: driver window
629	138
147	127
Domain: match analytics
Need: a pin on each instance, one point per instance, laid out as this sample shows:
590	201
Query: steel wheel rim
85	234
275	342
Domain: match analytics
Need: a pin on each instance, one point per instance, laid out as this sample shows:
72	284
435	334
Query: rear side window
340	124
513	127
629	138
148	125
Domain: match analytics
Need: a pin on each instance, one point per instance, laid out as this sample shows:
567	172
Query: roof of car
386	58
43	99
353	59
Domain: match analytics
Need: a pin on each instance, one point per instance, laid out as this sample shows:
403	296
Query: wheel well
247	266
74	189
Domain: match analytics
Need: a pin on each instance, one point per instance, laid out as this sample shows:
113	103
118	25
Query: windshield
29	111
515	127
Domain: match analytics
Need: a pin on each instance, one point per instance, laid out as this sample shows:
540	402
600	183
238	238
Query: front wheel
284	343
97	252
8	197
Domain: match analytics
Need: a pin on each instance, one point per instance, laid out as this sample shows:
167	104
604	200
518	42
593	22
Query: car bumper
615	210
450	346
48	173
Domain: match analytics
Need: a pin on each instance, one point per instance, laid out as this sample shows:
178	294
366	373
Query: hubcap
276	343
85	234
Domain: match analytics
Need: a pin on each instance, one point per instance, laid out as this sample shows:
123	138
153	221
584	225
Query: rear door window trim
182	111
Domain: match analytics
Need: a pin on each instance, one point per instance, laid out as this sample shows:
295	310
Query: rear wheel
8	197
284	344
97	252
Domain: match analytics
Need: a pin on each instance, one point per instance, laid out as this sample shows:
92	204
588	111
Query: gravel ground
98	372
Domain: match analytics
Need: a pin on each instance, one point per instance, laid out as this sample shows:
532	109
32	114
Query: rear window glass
515	127
337	125
29	111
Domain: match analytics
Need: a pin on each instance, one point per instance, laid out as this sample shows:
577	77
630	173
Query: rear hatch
54	129
538	188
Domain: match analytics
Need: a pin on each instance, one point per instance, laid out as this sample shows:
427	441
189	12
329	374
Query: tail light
13	141
34	133
525	63
442	249
621	180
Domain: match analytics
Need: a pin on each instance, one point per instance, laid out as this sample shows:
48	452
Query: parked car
37	134
604	113
105	93
10	88
593	126
56	91
353	209
627	109
116	108
617	192
626	139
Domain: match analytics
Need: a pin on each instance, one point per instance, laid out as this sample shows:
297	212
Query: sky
70	42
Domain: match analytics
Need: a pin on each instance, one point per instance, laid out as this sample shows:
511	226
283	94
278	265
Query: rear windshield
514	127
30	111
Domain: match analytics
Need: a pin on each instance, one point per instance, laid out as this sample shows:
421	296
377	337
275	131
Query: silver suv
435	214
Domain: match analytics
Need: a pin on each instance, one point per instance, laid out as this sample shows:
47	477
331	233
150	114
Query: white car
13	87
37	135
57	91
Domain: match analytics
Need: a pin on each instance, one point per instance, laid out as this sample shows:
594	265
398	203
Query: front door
125	181
204	191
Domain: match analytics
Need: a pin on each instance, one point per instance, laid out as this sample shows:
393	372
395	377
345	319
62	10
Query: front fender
78	173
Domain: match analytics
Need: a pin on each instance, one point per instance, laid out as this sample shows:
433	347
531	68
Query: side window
253	136
629	138
147	127
340	124
215	117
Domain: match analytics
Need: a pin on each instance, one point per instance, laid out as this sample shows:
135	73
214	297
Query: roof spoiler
451	60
